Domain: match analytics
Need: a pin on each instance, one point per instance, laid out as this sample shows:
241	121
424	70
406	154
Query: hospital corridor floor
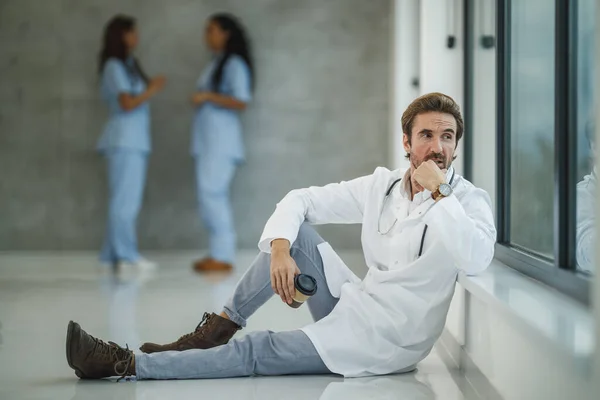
40	293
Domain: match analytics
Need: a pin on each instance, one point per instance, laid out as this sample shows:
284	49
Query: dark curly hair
113	45
237	44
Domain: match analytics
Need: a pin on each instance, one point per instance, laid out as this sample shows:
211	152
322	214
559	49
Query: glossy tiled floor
39	294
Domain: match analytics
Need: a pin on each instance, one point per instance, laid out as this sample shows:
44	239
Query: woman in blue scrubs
223	90
125	141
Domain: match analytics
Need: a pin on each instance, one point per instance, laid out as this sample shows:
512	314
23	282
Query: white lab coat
389	321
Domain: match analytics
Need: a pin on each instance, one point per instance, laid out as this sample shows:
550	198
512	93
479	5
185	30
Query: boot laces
123	358
205	320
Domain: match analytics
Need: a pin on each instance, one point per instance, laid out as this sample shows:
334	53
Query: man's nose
436	145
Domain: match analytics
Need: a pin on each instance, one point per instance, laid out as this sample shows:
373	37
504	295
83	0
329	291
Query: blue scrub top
124	129
217	130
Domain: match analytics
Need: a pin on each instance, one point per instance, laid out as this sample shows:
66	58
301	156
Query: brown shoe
212	331
211	265
92	358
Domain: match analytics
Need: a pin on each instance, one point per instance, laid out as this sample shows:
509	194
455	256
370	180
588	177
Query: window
544	134
531	110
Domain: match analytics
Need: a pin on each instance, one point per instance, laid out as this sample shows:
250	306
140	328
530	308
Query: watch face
445	189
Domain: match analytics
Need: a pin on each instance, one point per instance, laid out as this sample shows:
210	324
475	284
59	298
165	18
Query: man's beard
441	161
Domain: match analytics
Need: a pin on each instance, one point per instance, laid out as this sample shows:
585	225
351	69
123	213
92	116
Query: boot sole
70	329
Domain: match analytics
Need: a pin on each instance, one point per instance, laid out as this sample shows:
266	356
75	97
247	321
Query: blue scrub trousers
126	177
214	175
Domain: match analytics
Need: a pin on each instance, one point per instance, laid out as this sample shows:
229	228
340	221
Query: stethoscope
385	200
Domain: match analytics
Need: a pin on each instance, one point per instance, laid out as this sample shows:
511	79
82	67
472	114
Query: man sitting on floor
420	227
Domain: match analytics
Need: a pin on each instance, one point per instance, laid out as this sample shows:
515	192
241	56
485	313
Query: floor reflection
222	287
405	386
409	386
122	289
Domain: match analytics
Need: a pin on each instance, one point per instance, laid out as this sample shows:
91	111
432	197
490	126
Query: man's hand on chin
429	175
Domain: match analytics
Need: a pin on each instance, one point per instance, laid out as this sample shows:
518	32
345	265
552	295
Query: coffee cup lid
306	284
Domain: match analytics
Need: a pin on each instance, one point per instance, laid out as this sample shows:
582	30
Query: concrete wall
320	113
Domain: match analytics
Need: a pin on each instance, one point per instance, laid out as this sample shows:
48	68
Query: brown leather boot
212	331
211	265
92	358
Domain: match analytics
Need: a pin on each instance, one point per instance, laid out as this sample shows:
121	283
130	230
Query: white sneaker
141	265
142	270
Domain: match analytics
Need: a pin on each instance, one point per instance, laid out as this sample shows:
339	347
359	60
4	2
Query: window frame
559	273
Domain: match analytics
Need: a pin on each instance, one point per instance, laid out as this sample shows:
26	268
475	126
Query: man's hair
432	102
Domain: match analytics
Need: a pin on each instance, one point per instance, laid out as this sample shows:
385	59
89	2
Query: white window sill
562	322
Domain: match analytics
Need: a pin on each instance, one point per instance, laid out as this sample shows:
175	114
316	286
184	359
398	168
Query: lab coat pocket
337	272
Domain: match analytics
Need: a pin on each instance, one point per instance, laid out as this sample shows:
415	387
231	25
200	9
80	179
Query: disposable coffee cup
306	286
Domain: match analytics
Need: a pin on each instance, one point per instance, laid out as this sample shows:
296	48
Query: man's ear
406	143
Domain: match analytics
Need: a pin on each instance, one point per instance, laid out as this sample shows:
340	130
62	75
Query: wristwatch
444	190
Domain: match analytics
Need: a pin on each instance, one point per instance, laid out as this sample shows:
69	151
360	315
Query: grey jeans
258	353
